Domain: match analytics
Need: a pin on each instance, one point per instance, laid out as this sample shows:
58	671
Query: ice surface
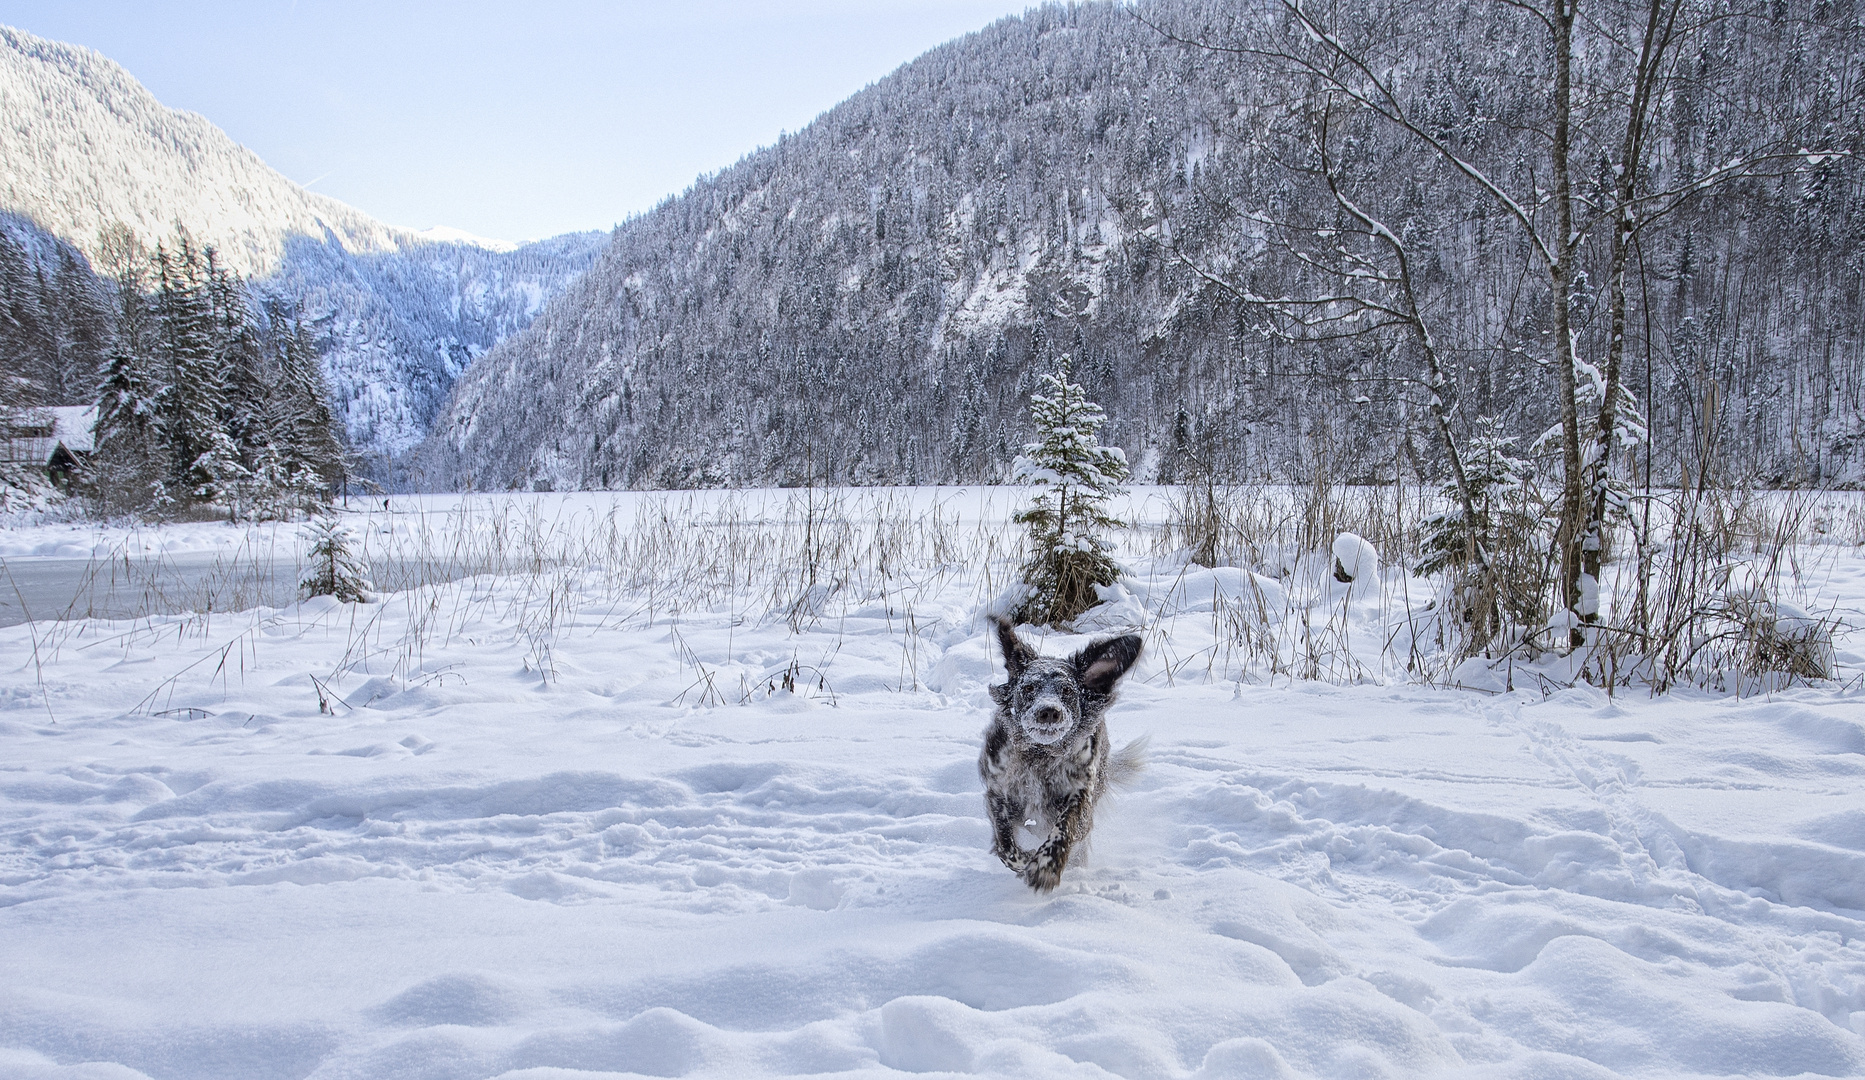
478	865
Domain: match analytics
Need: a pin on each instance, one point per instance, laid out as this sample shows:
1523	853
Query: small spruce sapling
1492	560
1073	476
336	568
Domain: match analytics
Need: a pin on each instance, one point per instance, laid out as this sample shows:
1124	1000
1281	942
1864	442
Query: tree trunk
1561	271
1660	20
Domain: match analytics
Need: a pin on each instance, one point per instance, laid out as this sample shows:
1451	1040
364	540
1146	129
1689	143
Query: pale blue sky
511	120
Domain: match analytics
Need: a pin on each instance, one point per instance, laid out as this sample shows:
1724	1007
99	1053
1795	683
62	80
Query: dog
1046	759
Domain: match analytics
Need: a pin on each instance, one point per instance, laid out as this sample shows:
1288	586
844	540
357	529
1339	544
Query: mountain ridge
397	314
872	298
73	191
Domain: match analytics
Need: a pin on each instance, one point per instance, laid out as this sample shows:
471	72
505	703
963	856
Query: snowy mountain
398	314
873	298
83	145
395	330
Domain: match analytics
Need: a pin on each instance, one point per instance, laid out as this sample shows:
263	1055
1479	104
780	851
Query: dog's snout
1046	711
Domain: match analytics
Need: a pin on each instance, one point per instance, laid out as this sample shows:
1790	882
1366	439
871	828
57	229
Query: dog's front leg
1004	817
1047	862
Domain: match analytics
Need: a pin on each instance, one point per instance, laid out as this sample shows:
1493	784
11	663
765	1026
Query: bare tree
1602	80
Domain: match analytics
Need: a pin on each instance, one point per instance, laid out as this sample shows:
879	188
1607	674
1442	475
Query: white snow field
646	797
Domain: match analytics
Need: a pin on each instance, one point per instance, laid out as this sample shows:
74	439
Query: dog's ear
1017	654
1100	664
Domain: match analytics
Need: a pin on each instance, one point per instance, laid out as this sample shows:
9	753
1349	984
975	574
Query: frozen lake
139	586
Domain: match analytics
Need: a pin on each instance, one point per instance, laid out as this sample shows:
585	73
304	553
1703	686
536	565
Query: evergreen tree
335	567
310	453
130	442
242	362
54	319
81	335
1074	476
249	384
15	392
1179	452
41	339
129	462
204	466
20	336
1504	527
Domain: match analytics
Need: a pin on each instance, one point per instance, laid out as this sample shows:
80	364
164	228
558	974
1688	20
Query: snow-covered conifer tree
193	400
129	437
335	568
21	334
313	458
1452	538
130	459
1489	553
1074	475
247	379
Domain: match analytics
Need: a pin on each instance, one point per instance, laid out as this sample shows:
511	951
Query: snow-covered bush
1777	638
25	490
1705	602
1493	559
336	567
1073	476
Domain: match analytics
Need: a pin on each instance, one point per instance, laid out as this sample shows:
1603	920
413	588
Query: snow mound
1356	562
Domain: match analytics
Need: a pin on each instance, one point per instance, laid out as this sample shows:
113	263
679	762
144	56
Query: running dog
1046	760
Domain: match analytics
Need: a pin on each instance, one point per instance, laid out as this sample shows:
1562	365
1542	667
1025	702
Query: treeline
55	322
209	400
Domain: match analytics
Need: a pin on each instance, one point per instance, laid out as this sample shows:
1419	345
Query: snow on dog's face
1045	701
1050	700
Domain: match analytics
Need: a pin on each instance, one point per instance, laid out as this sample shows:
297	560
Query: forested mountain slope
85	148
873	298
84	145
396	330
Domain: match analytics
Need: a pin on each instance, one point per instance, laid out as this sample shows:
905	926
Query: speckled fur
1046	759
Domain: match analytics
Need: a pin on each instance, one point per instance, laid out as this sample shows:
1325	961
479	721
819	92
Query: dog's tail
1127	763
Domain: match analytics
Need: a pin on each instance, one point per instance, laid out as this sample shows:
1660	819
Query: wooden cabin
57	440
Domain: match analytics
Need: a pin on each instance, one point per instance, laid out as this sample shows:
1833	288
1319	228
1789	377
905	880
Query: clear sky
513	120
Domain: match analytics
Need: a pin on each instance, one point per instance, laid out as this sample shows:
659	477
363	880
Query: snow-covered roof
44	429
72	425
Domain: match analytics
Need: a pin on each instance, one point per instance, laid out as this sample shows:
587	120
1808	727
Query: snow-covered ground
562	818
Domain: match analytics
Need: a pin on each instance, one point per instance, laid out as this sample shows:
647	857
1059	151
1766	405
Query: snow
1589	595
1357	559
447	234
597	819
73	424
